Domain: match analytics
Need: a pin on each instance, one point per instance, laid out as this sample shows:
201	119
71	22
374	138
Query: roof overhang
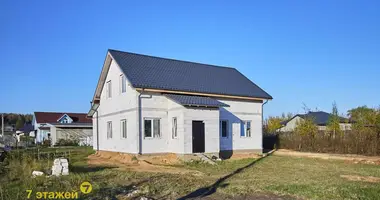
195	101
200	94
94	107
72	125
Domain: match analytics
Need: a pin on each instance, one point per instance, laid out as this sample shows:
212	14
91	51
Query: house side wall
291	125
40	134
119	106
237	112
154	105
176	110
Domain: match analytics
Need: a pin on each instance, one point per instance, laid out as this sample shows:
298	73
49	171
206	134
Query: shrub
46	143
351	142
67	142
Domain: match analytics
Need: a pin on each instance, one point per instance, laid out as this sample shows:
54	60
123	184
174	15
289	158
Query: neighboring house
145	104
54	126
320	119
27	129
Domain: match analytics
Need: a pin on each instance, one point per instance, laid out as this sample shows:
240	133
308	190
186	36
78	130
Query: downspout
262	122
139	122
97	126
97	130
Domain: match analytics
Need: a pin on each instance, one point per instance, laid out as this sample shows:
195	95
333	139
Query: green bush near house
67	142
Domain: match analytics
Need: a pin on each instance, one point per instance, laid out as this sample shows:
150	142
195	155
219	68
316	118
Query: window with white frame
174	127
109	129
123	128
246	129
123	85
109	89
223	128
152	128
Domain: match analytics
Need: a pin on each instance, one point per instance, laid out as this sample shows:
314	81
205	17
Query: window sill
152	138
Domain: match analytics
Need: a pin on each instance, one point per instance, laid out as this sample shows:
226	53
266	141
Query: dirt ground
237	156
370	179
124	161
346	157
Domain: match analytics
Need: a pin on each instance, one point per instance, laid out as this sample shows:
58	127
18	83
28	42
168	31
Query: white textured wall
237	112
176	110
155	106
120	106
210	118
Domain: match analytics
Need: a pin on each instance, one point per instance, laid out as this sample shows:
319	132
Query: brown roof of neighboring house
52	117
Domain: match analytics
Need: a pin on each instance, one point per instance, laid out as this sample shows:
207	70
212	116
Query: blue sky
312	52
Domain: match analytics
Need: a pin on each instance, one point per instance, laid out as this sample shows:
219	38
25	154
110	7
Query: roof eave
201	94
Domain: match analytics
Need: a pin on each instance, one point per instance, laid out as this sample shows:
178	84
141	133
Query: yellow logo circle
85	187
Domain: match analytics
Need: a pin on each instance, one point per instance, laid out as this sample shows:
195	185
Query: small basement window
152	128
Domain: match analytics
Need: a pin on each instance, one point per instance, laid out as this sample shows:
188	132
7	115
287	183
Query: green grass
306	177
298	177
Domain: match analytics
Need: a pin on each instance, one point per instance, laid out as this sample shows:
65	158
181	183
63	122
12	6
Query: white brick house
144	104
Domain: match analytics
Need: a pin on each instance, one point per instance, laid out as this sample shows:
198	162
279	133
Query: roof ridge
59	112
172	59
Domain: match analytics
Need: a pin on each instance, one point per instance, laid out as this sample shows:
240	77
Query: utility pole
2	125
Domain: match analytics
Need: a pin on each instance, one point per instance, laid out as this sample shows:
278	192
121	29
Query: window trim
109	131
122	83
174	128
220	128
109	89
152	127
122	129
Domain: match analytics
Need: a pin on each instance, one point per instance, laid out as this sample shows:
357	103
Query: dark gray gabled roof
188	100
167	74
320	118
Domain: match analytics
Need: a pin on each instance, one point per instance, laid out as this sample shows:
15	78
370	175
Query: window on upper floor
123	84
246	132
109	89
152	128
174	127
223	128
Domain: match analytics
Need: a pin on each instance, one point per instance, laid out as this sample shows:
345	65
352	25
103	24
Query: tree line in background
16	120
363	138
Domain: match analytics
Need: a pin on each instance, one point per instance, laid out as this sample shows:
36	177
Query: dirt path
128	162
346	157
